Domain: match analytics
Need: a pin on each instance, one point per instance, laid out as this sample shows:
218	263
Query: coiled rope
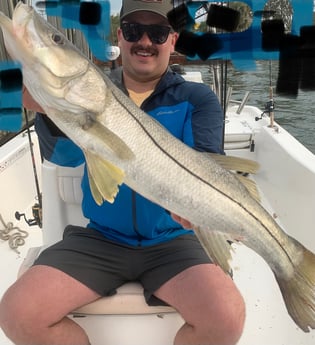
13	234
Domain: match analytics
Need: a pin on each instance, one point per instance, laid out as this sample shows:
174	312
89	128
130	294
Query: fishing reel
269	108
37	216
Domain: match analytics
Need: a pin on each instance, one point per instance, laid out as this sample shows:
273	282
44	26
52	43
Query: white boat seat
128	300
62	197
238	135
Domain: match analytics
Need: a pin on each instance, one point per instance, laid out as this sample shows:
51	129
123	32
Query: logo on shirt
167	112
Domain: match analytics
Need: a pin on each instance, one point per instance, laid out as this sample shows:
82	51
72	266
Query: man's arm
29	102
207	121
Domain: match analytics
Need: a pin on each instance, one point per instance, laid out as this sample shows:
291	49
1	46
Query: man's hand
183	222
29	102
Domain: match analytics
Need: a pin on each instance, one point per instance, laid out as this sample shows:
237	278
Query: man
132	239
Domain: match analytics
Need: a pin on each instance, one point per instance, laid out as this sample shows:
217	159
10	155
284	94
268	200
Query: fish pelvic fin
299	292
104	178
217	247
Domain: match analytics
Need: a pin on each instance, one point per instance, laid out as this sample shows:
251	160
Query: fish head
46	44
55	72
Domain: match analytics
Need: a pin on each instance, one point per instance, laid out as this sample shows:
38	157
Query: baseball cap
161	7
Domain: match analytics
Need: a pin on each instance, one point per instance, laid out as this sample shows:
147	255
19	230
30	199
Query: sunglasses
133	32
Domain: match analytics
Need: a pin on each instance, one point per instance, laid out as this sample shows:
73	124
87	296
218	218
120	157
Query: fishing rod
37	208
271	105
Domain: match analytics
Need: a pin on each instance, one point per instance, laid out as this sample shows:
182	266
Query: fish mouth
21	15
15	32
23	26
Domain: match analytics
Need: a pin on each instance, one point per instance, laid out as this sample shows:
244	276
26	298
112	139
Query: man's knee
19	317
230	322
11	315
235	322
224	323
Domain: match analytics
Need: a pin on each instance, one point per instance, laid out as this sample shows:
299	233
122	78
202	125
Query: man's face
144	60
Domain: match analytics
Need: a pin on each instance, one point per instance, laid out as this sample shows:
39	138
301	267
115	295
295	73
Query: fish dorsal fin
250	185
240	167
104	178
235	163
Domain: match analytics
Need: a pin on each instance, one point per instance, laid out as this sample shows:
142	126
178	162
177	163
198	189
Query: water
296	115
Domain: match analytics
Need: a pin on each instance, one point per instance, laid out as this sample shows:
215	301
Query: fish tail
299	292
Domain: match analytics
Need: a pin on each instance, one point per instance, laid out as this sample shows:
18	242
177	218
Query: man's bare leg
33	311
209	302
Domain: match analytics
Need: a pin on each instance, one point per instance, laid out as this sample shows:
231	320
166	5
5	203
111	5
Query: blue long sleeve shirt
190	111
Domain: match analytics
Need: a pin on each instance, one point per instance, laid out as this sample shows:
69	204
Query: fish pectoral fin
104	178
115	144
238	164
217	245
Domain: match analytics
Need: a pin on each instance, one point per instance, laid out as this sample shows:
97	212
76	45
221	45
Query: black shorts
103	265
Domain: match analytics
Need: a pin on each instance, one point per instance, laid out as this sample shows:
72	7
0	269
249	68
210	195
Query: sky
115	6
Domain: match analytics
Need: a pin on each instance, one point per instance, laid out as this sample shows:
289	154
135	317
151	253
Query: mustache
148	49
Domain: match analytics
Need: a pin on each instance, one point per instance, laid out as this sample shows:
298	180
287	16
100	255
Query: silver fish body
122	144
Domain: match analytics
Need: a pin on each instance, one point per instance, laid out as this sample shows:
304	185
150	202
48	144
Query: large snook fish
123	144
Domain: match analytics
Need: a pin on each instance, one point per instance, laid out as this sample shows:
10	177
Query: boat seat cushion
128	300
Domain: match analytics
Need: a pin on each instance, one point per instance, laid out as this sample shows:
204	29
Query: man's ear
119	35
174	39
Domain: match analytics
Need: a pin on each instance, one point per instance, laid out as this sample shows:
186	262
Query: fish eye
58	39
